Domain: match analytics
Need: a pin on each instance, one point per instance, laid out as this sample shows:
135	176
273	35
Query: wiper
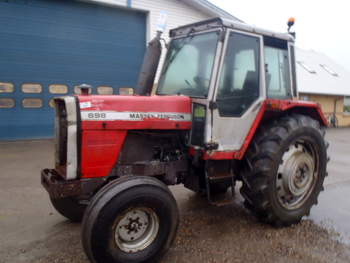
184	41
189	84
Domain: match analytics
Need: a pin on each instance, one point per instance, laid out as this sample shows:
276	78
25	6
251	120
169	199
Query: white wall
178	13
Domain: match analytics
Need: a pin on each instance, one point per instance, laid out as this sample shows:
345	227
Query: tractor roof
223	22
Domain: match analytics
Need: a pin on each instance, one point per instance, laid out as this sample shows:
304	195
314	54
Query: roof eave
323	93
210	9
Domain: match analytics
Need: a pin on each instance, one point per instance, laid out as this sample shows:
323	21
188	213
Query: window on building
347	104
306	67
7	103
58	89
126	91
304	97
31	88
6	87
329	70
105	90
32	103
78	91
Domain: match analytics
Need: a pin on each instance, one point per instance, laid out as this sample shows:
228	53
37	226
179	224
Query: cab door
239	91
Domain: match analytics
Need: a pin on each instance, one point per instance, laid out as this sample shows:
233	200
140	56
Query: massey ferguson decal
133	116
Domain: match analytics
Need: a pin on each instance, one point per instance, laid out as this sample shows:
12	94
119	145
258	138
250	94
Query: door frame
229	133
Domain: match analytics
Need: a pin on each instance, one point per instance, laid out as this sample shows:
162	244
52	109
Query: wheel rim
136	229
297	175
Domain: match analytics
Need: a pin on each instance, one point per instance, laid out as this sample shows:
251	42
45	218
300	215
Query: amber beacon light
291	22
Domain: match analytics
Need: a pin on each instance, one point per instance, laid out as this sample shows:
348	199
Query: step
220	177
223	202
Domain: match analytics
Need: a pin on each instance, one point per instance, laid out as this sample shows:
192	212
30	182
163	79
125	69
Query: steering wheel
201	81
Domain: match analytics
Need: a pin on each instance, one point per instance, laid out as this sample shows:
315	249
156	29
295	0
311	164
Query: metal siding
63	42
179	14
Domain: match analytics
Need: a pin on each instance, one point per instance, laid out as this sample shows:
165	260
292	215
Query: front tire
70	208
285	169
130	220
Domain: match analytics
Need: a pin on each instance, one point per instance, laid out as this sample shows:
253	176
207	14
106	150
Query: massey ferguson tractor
225	110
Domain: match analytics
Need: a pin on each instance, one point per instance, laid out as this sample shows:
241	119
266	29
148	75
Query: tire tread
260	162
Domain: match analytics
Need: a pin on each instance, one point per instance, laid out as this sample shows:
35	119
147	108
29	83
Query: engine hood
135	112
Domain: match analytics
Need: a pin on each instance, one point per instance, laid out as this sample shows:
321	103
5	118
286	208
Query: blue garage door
49	47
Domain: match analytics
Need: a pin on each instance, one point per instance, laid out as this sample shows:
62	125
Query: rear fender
302	107
270	109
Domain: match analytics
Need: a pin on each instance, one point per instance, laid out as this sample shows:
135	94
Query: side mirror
126	91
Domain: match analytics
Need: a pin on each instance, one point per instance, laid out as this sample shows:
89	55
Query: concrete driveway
32	231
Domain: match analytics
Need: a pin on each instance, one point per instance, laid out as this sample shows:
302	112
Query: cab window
188	67
239	81
277	70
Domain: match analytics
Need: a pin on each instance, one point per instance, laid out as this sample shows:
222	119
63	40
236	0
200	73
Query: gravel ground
207	235
231	235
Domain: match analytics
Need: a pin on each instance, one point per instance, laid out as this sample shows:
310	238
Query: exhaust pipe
149	66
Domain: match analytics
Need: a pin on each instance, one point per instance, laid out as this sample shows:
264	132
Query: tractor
225	110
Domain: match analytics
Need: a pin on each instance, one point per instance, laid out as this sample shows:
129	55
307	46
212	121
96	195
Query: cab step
221	199
220	178
223	202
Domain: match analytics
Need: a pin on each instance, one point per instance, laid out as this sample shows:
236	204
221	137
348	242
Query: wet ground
32	231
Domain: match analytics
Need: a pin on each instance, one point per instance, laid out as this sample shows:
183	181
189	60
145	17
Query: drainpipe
335	111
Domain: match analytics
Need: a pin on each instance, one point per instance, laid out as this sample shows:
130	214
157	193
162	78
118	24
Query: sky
321	25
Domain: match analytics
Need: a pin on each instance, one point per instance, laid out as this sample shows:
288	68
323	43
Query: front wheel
130	220
285	169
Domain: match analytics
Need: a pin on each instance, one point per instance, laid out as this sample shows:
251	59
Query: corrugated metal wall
66	43
47	47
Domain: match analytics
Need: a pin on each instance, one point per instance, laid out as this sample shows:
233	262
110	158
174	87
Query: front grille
61	130
66	139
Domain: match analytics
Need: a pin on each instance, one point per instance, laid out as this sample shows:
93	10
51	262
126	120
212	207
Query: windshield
188	66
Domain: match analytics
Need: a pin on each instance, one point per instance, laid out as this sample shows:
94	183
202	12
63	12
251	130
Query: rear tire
131	220
285	167
70	208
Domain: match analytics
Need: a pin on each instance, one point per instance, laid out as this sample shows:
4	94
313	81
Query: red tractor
224	111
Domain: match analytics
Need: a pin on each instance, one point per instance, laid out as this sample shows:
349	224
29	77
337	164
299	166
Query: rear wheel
130	220
285	169
70	208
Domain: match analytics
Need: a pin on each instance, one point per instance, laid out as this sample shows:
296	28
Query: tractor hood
135	112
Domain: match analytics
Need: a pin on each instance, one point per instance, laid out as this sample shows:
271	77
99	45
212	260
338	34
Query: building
322	80
48	47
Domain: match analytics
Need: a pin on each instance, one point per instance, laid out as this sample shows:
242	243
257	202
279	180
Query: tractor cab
229	69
